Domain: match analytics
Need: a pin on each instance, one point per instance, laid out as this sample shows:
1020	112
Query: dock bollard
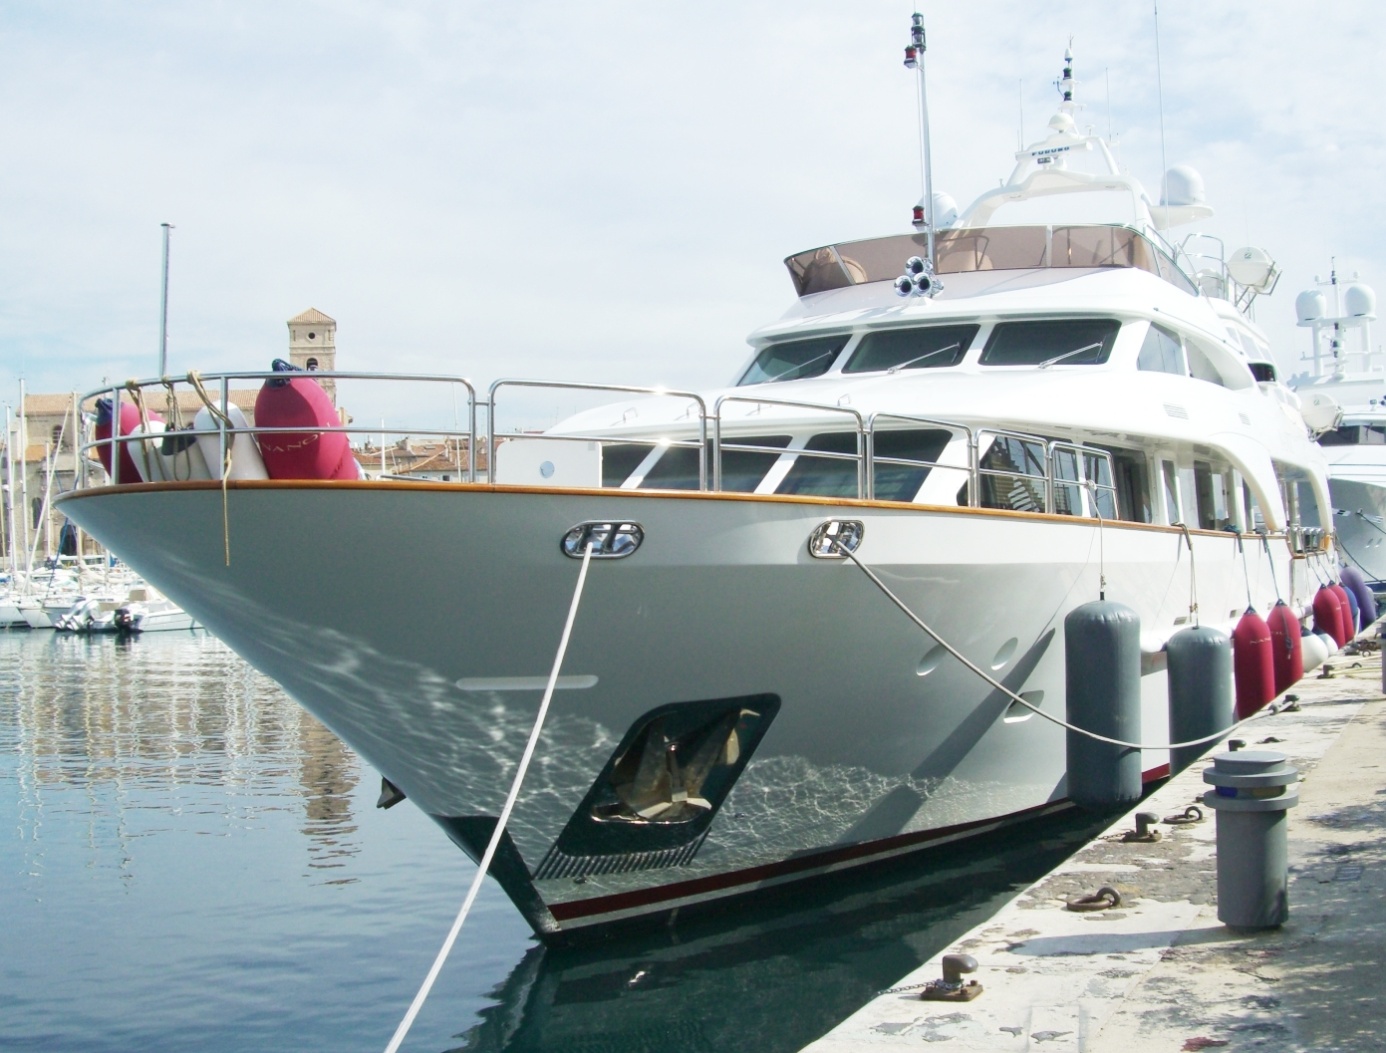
1252	791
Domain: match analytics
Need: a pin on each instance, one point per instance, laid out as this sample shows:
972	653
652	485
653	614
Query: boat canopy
982	249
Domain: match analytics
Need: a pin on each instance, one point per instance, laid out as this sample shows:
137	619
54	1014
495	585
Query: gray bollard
1253	789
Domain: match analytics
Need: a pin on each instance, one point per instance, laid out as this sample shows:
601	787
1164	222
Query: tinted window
824	476
1013	475
619	459
901	482
1162	352
794	360
1067	341
925	348
742	470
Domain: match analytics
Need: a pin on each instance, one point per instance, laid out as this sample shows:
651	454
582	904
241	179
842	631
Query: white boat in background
1004	414
1344	398
125	611
145	611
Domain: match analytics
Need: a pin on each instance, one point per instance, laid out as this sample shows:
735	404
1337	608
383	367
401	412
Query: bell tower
313	345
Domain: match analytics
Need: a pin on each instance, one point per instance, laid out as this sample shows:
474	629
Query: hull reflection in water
812	957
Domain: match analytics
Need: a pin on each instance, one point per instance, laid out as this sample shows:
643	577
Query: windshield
981	249
928	347
1064	341
794	360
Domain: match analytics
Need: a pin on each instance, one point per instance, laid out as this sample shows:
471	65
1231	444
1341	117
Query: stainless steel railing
982	472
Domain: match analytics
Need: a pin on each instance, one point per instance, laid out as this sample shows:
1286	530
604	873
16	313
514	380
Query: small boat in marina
1003	414
1344	395
126	611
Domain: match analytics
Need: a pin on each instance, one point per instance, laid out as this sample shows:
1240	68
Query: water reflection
120	731
810	959
161	795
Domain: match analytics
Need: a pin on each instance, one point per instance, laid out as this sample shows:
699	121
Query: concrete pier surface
1159	972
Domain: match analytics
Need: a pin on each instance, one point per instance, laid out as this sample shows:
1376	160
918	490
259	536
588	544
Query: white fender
246	462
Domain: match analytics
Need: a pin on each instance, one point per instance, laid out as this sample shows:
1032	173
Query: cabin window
620	459
1076	472
794	359
1213	492
1097	469
1255	517
1162	352
1170	478
1354	435
901	482
1012	474
742	470
1068	490
930	347
834	475
1307	505
1132	487
1067	341
1201	366
1263	372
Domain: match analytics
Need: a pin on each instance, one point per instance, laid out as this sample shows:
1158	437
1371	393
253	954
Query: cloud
598	192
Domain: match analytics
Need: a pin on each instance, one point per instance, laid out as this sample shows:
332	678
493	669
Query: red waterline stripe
717	882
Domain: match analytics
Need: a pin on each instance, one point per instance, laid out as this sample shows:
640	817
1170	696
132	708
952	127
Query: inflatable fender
296	400
246	462
129	418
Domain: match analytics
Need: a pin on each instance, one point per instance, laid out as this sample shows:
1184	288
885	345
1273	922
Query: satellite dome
1182	186
1309	306
1360	302
1181	199
945	211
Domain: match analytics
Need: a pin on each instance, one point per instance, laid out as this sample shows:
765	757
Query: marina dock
1159	971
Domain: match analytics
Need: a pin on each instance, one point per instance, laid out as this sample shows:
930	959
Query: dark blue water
190	861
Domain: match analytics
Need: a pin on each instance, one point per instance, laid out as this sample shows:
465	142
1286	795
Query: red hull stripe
718	882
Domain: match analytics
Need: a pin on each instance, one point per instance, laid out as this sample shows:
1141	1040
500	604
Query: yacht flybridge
1001	415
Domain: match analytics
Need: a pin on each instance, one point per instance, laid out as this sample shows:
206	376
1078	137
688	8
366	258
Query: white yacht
1003	414
1344	395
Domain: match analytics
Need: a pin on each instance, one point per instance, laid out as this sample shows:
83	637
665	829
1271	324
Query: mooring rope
1015	697
224	422
509	805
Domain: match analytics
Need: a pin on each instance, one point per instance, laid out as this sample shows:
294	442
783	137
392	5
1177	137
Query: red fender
1327	619
1345	626
129	422
1253	665
298	401
1287	654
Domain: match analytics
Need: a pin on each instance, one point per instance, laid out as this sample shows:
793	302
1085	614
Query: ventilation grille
1176	411
561	865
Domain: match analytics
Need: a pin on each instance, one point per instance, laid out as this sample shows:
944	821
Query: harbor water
188	860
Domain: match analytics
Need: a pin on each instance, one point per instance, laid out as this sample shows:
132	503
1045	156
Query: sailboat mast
9	495
23	434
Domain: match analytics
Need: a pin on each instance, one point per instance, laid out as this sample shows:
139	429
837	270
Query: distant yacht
1345	400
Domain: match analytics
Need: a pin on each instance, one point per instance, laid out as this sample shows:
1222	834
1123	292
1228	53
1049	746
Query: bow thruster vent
655	799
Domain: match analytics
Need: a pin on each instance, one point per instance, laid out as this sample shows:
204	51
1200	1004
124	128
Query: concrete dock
1159	972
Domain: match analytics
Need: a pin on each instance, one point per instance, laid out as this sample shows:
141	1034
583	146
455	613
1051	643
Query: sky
604	191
